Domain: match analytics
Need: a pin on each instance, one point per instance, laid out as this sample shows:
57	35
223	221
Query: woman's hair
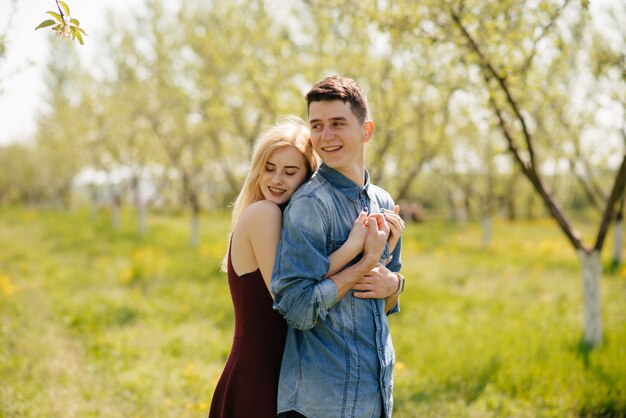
287	131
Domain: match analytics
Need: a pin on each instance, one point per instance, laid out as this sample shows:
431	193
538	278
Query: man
338	357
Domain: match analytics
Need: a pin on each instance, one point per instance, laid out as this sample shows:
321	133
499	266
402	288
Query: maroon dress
248	385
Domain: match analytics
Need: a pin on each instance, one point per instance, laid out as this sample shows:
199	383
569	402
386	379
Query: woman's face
284	171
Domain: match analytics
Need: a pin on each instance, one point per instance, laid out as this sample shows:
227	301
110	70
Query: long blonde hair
287	131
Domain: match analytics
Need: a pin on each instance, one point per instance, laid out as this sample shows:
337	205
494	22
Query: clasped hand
370	232
375	230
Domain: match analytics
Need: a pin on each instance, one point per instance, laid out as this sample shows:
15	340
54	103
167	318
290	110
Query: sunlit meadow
103	323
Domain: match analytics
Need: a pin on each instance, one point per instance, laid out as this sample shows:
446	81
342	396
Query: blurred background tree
469	98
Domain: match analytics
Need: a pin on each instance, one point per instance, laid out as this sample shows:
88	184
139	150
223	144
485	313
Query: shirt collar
343	183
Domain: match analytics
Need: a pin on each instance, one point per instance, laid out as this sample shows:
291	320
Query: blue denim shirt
338	358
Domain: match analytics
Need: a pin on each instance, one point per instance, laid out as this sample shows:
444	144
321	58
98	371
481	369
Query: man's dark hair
339	88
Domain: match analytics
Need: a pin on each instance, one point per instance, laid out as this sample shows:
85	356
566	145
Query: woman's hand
396	226
377	236
356	239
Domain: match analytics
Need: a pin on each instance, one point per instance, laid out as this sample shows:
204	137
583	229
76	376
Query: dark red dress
248	385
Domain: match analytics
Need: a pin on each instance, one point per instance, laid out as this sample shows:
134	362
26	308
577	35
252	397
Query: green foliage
167	96
483	331
62	23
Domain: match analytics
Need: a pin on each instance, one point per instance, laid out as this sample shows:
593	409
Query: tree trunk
618	236
618	243
486	226
94	201
405	184
591	269
115	216
195	226
140	206
116	192
194	203
460	207
142	226
510	203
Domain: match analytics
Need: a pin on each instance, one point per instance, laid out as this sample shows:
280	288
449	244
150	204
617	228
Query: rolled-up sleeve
302	296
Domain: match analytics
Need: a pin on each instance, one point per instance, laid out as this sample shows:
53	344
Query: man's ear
368	130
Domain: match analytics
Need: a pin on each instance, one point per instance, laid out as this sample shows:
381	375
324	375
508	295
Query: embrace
312	263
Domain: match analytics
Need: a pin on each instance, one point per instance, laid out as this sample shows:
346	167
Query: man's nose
327	132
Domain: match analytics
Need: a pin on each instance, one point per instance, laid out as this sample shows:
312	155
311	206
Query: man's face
337	136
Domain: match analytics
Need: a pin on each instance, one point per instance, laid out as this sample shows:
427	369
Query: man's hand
396	226
379	283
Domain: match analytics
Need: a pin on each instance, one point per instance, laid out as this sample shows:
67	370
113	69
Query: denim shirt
338	358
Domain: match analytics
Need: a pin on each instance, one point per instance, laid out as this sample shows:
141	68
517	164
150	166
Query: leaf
45	24
75	22
76	34
65	8
81	31
56	16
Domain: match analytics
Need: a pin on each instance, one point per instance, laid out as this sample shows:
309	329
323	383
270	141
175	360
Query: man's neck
356	174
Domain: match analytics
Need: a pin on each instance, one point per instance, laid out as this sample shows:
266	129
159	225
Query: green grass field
97	323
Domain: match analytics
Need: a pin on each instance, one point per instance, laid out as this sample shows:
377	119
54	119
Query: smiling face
285	170
339	138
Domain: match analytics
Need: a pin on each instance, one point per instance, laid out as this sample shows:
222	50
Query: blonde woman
283	159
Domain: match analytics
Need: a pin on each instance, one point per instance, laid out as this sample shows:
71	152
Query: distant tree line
482	108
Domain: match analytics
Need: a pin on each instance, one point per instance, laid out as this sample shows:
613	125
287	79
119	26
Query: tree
122	138
508	104
59	133
505	47
18	175
237	90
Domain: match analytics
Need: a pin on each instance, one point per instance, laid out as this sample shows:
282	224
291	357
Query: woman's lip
275	191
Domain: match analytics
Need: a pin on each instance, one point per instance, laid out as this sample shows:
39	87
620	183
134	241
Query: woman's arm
354	244
259	226
351	248
261	223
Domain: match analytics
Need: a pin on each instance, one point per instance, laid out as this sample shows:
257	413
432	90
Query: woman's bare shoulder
262	210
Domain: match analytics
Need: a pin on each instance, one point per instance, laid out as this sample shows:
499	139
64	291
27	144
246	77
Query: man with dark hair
338	358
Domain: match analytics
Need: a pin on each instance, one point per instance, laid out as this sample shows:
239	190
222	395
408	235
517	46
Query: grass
102	323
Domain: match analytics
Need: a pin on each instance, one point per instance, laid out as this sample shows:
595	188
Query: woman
283	159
